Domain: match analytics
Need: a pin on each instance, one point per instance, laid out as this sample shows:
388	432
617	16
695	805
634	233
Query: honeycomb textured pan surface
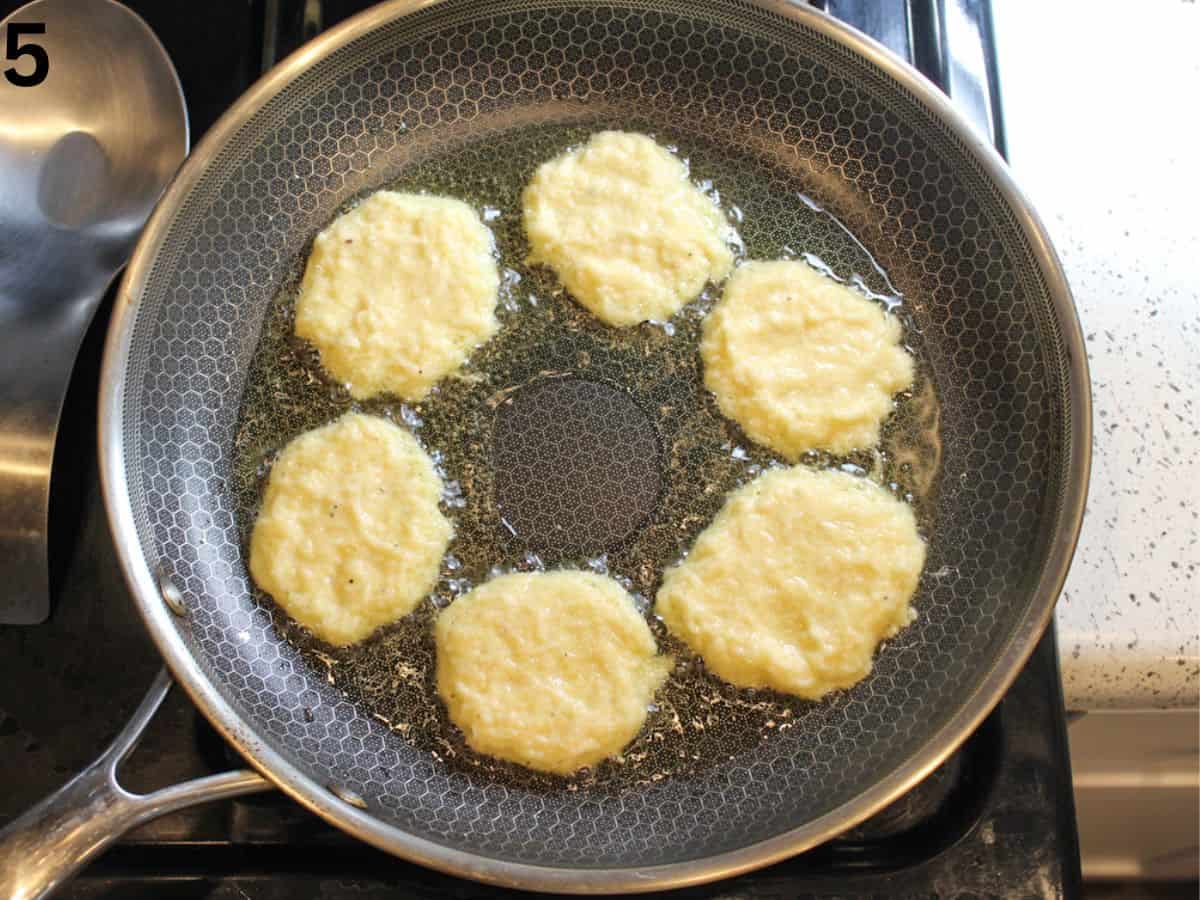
766	106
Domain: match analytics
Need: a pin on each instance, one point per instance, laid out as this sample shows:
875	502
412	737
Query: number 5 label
16	48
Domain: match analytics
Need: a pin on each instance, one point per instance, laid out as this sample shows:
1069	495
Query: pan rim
161	623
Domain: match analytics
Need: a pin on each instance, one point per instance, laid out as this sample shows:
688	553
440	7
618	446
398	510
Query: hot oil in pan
633	392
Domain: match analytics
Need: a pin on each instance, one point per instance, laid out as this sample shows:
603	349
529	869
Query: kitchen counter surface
1098	103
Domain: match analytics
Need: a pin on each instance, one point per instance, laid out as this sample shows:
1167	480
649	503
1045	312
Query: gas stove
997	819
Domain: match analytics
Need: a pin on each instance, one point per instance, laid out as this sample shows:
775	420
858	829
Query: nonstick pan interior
817	150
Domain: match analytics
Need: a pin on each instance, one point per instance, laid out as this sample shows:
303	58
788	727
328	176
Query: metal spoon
84	155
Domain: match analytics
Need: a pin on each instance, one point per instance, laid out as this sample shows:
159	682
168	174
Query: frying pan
800	122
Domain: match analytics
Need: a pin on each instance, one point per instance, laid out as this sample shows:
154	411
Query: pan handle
43	848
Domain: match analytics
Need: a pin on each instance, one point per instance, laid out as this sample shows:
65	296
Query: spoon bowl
85	154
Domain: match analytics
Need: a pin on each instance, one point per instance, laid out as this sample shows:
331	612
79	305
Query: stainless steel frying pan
777	105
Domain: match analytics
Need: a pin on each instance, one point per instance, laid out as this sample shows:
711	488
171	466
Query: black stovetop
996	820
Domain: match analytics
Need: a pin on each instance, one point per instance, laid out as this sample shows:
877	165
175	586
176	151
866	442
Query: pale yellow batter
796	581
802	362
629	235
551	670
350	536
397	293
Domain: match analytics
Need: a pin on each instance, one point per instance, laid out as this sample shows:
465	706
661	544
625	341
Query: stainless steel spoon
84	155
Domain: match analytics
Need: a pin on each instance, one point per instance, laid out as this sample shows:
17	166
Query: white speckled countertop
1104	136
